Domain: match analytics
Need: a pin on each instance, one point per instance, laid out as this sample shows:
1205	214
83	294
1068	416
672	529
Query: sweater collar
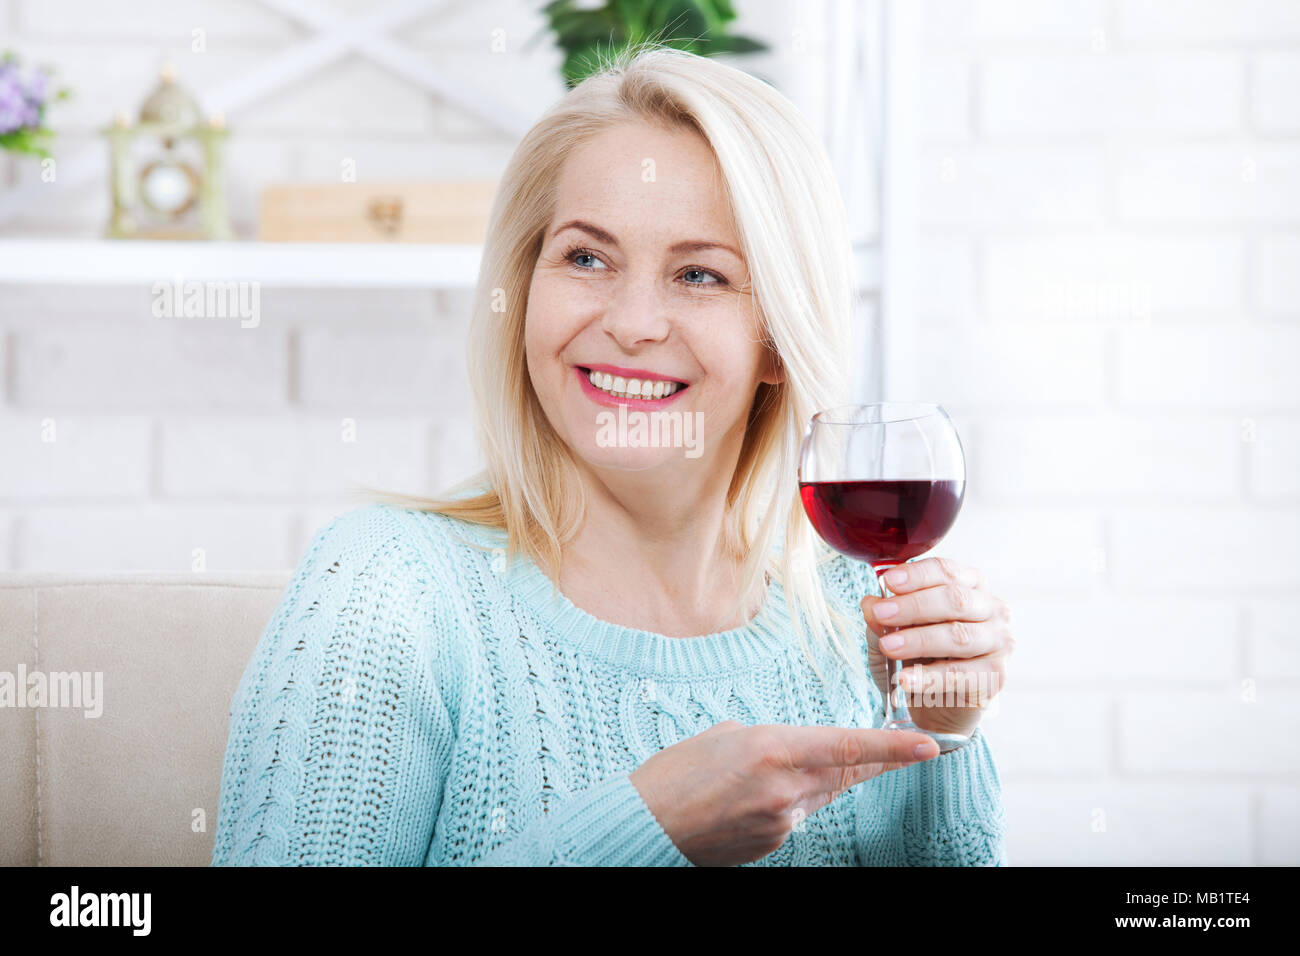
763	638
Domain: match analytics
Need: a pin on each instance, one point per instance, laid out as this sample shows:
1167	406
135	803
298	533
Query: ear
774	371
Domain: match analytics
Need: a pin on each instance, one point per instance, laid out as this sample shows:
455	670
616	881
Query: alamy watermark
638	429
75	908
916	688
209	299
62	689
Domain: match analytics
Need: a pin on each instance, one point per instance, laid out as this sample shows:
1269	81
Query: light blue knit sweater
414	700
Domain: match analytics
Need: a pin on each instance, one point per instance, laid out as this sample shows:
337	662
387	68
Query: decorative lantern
168	171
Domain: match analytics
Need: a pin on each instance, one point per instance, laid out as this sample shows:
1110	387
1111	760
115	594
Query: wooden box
451	212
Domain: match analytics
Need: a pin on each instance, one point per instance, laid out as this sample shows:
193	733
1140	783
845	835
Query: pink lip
609	401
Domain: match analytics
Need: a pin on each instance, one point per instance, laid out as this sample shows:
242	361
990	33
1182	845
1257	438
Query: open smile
611	385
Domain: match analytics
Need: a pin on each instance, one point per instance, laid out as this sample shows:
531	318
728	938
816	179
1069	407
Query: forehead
640	175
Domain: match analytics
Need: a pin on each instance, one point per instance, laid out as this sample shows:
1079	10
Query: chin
626	459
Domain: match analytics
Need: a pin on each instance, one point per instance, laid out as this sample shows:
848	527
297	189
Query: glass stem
896	699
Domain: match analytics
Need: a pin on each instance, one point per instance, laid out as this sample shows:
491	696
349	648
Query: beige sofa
137	783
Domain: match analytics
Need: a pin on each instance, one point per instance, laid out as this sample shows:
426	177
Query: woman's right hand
733	793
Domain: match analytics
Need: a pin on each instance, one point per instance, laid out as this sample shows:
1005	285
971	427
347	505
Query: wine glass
883	483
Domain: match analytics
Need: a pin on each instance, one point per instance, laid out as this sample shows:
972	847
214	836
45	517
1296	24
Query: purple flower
21	104
22	107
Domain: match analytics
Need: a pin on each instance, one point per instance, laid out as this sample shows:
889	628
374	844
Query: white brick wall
148	364
1070	642
980	187
1026	363
54	456
1027	730
129	441
1272	648
1277	275
1109	94
1246	368
7	562
1241	181
1026	458
1101	820
1086	277
1278	840
1209	731
1241	23
157	536
293	457
1274	105
227	21
1108	193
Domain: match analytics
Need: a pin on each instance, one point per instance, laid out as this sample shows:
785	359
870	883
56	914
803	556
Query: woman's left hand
952	635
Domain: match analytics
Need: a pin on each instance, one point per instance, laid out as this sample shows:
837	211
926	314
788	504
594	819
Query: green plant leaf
28	140
588	36
717	13
636	16
580	64
736	44
684	27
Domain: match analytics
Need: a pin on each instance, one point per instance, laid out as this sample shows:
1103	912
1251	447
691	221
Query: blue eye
576	254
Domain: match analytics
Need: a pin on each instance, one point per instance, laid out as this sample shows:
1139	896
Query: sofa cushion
138	782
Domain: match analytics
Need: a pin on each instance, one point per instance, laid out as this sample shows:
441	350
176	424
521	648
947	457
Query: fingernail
924	750
891	643
886	609
896	577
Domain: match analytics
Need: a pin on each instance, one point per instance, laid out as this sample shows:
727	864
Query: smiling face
640	284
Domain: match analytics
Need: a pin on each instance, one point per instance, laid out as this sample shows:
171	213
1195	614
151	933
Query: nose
637	315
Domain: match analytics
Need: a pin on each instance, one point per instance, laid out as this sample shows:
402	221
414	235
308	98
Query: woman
513	674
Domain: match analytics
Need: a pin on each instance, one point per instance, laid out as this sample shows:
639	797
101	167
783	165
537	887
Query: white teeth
634	388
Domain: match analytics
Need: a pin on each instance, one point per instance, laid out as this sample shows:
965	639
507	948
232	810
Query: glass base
947	742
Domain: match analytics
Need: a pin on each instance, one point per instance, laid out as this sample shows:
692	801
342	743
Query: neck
652	554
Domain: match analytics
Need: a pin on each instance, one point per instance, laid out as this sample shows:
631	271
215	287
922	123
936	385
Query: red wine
883	522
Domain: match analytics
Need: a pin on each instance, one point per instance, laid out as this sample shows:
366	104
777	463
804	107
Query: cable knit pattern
416	700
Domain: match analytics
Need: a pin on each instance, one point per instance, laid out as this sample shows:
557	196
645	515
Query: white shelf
310	264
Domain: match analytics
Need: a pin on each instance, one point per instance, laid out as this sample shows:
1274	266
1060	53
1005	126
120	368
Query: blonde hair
790	219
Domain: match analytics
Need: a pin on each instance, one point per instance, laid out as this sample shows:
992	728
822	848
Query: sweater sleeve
946	811
340	735
607	824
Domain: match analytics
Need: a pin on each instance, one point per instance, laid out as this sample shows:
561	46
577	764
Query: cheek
542	331
550	318
737	360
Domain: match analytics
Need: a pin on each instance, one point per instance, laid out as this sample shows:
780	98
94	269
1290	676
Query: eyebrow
689	245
